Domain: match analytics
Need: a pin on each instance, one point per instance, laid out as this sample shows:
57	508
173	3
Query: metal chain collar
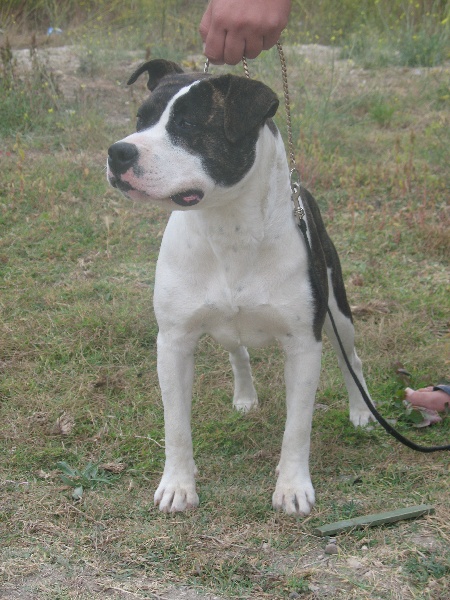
299	212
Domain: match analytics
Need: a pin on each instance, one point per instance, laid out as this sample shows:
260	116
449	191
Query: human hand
231	29
430	398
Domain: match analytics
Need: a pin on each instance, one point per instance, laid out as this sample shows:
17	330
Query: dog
232	262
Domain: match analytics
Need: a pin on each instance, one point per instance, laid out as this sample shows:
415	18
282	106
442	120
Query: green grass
78	339
375	33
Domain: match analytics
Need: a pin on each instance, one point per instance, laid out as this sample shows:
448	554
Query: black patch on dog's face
218	119
152	109
197	124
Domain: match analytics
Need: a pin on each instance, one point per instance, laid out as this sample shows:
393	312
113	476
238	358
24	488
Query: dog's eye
184	123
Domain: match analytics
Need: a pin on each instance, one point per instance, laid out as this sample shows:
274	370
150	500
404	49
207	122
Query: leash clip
299	212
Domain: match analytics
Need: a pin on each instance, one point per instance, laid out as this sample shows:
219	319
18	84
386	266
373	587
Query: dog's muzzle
123	156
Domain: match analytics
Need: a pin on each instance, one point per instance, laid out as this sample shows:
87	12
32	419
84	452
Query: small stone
331	549
353	563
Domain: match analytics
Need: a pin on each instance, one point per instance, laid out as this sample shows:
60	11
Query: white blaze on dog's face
194	133
160	168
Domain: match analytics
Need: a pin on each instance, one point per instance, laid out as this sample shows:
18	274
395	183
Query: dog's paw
175	496
361	417
245	404
294	497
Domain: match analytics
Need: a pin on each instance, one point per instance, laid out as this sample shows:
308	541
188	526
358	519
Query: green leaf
67	469
415	416
90	471
103	480
68	481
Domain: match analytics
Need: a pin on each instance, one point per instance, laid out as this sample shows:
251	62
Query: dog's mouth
117	183
187	198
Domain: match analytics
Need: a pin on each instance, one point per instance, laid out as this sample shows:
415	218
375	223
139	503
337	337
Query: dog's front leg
176	491
294	492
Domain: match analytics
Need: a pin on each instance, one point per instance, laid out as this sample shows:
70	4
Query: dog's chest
233	285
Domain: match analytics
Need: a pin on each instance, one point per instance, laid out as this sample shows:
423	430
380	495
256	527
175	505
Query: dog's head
195	132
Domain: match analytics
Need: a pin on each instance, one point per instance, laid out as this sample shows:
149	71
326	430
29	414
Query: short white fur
235	268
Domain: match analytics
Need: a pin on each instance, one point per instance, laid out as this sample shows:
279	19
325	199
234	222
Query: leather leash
299	215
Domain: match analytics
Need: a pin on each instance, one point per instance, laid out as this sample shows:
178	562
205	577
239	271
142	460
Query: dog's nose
121	156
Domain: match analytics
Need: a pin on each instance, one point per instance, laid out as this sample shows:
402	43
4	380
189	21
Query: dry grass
78	337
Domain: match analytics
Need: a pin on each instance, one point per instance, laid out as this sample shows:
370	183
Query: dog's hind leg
245	397
359	413
340	309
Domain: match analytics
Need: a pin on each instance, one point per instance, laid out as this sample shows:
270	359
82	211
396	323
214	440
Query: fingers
231	29
222	47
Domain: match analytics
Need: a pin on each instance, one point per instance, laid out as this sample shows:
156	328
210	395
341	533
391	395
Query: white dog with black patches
232	262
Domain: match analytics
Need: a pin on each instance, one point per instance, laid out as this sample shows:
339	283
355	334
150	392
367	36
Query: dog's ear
248	103
156	69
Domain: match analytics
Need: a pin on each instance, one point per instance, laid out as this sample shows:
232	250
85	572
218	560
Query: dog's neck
233	212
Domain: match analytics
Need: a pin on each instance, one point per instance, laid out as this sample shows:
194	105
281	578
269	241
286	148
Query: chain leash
299	212
287	105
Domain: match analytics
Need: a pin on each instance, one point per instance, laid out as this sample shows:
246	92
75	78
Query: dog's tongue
188	198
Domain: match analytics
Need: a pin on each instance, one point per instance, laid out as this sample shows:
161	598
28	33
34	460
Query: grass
77	347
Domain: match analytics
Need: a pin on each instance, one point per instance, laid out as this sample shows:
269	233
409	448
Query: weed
297	585
417	41
427	565
382	111
88	478
27	103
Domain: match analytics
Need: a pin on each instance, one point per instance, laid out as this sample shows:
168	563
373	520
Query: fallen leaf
77	493
64	425
371	308
421	417
357	280
100	433
113	467
430	417
44	475
403	372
